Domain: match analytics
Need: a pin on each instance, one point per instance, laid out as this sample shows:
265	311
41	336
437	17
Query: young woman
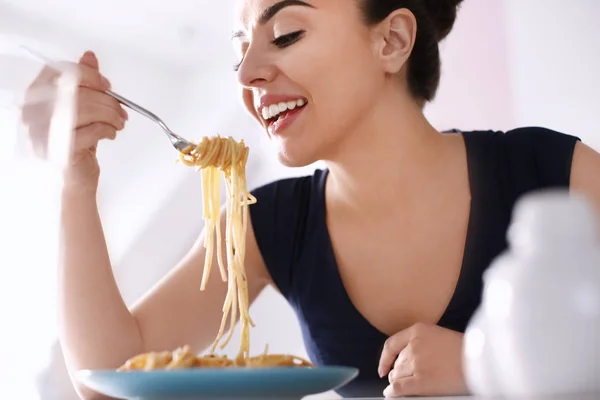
381	254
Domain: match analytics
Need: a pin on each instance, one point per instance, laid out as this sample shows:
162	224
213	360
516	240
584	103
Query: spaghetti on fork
219	157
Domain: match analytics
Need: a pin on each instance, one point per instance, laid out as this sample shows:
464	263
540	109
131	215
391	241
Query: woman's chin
295	159
300	148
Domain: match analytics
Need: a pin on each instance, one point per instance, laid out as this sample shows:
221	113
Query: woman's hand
423	360
98	116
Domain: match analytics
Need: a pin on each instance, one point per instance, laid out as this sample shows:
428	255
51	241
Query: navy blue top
290	227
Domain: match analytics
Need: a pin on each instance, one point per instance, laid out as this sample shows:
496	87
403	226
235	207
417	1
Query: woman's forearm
96	328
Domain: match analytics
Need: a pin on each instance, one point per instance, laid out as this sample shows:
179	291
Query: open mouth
278	112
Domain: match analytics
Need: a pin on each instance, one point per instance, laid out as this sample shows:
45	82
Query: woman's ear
394	39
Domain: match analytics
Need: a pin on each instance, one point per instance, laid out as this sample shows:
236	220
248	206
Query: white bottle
537	331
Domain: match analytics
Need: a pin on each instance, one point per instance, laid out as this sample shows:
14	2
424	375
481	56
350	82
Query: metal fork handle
175	138
147	113
136	107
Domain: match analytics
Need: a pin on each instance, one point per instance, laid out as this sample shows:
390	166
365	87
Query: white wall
554	48
475	91
505	65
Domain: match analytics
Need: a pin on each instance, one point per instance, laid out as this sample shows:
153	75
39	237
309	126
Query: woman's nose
256	70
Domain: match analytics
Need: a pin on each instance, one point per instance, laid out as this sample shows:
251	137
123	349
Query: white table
557	397
428	398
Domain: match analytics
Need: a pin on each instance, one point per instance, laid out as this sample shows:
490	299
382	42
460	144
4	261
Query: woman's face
309	73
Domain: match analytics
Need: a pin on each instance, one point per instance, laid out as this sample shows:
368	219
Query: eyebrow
271	11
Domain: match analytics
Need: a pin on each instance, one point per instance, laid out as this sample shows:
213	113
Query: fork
177	141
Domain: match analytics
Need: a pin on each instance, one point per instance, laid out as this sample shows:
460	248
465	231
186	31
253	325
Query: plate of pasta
182	375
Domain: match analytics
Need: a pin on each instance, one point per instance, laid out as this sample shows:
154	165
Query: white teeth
274	110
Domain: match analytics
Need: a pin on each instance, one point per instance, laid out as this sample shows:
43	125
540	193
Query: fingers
43	88
89	59
91	96
88	76
101	113
94	106
403	367
98	115
410	386
87	69
90	73
428	362
91	78
89	136
393	346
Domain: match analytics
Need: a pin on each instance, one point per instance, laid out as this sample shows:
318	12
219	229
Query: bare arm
176	312
97	329
585	173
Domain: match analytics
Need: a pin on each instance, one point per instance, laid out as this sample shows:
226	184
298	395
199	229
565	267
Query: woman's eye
282	41
287	40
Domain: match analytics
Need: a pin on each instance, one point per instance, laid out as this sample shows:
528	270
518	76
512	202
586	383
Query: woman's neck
392	152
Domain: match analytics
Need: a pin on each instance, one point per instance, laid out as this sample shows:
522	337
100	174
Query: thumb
89	58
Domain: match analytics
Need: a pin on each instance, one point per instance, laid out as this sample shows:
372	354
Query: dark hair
435	19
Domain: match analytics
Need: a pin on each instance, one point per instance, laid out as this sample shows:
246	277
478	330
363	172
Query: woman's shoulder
526	158
288	201
522	144
521	136
286	213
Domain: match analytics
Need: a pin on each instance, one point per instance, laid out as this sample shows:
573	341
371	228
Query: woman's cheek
248	102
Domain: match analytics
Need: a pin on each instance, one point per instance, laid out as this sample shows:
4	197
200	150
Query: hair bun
442	14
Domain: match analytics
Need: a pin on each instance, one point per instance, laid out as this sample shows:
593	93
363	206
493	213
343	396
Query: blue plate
263	383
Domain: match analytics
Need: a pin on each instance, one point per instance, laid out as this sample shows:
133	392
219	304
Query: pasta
182	358
216	157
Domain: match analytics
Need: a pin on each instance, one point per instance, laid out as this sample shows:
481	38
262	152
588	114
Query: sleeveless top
290	228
